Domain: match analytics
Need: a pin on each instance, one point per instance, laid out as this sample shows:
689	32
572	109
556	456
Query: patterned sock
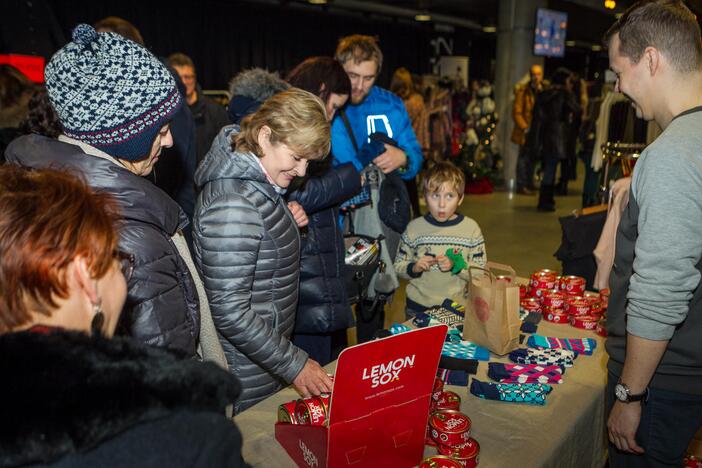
465	350
580	345
544	357
525	373
421	320
454	306
450	317
397	328
453	377
532	394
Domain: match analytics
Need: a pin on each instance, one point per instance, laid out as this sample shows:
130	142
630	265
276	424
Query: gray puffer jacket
247	247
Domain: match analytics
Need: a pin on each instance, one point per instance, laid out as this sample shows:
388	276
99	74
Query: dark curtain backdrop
225	37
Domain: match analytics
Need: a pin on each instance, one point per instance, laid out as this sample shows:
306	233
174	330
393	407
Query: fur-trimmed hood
66	392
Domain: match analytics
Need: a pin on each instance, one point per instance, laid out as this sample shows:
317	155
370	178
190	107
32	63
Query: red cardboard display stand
379	407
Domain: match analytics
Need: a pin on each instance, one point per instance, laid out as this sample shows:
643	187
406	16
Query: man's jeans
525	169
669	421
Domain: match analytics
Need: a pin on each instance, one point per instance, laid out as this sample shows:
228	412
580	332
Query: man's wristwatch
623	394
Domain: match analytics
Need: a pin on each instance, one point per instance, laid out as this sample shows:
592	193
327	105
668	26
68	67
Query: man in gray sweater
654	391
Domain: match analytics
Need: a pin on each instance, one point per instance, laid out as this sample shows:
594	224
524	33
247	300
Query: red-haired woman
71	395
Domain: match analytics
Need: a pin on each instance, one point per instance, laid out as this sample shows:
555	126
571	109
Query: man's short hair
667	25
441	173
179	59
120	26
359	48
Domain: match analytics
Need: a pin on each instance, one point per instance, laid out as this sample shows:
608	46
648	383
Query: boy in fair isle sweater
437	248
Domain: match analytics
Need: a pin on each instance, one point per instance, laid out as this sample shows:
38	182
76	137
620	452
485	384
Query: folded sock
533	317
528	327
525	373
453	377
448	316
465	350
467	365
421	320
533	394
397	328
559	357
580	345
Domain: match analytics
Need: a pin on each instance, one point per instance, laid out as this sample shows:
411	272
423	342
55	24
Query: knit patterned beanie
111	93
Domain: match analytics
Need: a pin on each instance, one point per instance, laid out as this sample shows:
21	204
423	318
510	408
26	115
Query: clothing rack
623	154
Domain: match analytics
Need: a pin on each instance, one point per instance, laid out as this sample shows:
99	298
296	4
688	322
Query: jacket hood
139	199
66	392
222	162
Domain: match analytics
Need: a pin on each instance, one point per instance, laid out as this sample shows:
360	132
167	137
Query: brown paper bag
492	309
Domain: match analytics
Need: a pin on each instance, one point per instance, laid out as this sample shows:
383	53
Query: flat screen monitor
550	33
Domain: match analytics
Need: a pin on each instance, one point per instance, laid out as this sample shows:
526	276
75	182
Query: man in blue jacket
373	109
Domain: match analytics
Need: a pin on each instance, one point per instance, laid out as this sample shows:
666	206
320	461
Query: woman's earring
98	320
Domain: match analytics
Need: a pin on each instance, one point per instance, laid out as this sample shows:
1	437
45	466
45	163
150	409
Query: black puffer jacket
70	400
323	305
162	307
552	123
247	247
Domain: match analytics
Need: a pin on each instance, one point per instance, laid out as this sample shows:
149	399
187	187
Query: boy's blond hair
296	118
444	173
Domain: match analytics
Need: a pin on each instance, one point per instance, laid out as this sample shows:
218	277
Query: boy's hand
445	263
424	264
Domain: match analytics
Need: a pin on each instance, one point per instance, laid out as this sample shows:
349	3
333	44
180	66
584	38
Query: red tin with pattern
572	285
530	304
440	461
312	411
449	400
554	299
604	296
544	279
522	291
286	412
428	440
554	316
578	305
438	389
450	427
601	328
585	322
467	454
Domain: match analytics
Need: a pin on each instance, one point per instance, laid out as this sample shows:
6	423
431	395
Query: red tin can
450	427
530	304
522	291
573	285
604	296
554	316
554	299
690	461
586	322
578	305
437	391
467	454
286	412
543	279
601	328
312	411
449	400
428	440
440	461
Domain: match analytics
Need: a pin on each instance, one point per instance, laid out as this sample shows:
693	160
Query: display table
569	431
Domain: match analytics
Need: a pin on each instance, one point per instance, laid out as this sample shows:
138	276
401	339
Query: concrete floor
515	234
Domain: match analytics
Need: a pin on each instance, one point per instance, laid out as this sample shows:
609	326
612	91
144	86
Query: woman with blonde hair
247	244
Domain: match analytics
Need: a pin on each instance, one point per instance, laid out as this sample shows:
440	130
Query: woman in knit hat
247	243
114	100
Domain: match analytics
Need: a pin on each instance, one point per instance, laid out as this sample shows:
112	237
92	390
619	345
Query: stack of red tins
312	411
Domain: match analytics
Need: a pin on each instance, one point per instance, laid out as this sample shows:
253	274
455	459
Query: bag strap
349	130
502	267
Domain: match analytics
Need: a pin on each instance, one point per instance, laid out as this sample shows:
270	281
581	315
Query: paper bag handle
501	267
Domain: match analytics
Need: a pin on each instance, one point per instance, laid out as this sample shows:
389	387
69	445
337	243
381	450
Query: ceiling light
596	47
317	2
610	4
422	17
570	43
489	29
